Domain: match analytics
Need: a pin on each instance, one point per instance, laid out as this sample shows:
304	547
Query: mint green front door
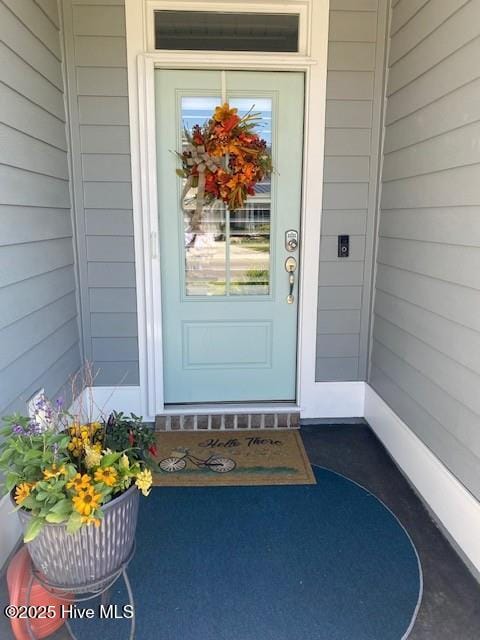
229	332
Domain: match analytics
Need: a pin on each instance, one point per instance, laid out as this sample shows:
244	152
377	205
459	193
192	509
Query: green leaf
32	454
103	489
110	459
74	522
30	471
71	471
29	503
63	444
33	529
42	495
62	507
56	518
8	453
11	480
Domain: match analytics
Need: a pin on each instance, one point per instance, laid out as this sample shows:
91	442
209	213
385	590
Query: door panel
229	334
216	344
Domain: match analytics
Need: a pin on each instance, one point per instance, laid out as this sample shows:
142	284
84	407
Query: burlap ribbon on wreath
203	161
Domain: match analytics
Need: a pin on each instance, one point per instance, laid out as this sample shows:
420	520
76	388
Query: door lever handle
290	268
291	280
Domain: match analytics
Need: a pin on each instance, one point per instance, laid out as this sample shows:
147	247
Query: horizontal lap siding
39	339
355	70
99	96
426	337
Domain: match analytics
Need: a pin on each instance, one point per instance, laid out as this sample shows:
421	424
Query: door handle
290	268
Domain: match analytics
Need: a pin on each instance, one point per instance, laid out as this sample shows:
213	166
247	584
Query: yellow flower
53	472
74	429
75	446
22	492
79	482
91	520
144	481
124	462
86	501
108	476
92	457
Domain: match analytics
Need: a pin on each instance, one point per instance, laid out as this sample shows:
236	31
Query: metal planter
93	554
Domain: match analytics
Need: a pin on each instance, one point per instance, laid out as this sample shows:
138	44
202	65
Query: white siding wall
39	338
354	96
426	338
96	58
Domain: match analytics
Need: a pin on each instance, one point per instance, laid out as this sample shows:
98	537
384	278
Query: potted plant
76	488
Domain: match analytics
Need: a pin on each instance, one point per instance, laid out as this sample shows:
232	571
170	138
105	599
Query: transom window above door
229	26
226	31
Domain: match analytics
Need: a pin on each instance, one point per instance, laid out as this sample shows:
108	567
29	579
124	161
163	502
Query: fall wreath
224	160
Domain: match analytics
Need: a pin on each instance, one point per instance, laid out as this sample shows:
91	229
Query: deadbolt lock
291	240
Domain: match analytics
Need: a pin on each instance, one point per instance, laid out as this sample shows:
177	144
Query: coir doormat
251	458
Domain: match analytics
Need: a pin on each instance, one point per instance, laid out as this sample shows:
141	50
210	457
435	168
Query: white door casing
142	61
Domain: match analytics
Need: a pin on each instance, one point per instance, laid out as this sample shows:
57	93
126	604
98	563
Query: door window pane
205	247
211	31
249	238
250	250
228	253
205	255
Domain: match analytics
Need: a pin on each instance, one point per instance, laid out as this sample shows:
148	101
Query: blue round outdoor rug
318	562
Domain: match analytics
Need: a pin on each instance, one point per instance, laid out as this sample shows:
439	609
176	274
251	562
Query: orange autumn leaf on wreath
248	172
229	124
223	148
224	159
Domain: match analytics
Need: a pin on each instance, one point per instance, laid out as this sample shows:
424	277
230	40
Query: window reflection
250	250
226	31
205	254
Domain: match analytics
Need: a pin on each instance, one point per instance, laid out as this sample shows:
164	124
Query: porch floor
450	607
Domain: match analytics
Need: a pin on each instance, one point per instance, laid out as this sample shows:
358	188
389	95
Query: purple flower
59	403
34	429
18	430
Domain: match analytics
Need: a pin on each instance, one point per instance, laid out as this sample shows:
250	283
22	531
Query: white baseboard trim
10	529
334	400
325	400
94	402
452	504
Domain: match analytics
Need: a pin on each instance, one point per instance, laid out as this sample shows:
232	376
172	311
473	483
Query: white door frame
313	399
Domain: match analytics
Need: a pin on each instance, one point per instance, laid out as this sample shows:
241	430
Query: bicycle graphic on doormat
178	461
